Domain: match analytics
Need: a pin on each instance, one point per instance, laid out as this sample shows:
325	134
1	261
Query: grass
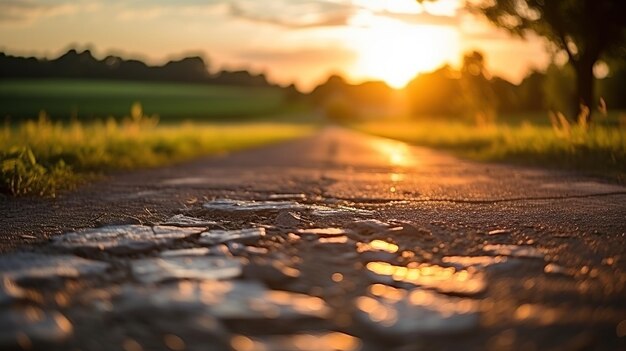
42	157
598	150
92	99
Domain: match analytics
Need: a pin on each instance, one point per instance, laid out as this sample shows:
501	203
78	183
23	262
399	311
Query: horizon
361	40
212	71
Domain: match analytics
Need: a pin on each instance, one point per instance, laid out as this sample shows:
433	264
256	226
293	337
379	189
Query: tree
479	98
436	93
586	30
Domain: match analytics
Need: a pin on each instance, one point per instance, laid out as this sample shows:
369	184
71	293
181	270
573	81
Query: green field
89	99
525	139
42	157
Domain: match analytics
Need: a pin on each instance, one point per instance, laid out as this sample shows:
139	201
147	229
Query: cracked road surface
339	241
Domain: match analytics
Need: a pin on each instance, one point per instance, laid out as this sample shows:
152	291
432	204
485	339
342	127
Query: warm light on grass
41	157
601	150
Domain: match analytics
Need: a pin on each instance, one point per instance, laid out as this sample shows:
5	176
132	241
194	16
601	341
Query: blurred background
89	86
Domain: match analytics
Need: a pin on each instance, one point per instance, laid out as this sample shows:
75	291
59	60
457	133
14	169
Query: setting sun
395	52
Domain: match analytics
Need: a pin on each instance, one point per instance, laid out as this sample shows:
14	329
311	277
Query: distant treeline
445	91
471	90
83	65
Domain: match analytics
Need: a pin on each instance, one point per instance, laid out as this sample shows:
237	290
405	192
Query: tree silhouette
586	30
479	99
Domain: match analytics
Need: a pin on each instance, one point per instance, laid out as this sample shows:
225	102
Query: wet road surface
335	242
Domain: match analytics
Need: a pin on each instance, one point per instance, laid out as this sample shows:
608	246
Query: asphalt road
426	251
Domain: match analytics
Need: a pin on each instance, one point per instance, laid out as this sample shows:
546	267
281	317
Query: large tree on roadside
585	29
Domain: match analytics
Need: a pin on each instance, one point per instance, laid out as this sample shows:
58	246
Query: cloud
159	9
29	11
421	18
299	14
291	14
294	14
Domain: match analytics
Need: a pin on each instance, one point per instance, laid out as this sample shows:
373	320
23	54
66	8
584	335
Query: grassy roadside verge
42	157
600	150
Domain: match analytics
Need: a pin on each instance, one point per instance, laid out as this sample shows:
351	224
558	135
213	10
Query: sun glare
395	52
396	153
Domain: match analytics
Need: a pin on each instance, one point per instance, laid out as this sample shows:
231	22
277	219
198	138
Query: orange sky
298	41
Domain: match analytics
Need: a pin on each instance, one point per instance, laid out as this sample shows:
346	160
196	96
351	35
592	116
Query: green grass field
530	140
89	99
42	157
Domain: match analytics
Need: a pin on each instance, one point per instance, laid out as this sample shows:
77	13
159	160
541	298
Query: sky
300	41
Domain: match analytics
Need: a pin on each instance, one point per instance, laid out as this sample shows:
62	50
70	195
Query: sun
396	52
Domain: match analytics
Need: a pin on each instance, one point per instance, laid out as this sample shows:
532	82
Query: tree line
473	90
83	65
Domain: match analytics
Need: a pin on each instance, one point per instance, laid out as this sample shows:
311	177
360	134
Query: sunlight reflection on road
442	279
396	177
396	153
